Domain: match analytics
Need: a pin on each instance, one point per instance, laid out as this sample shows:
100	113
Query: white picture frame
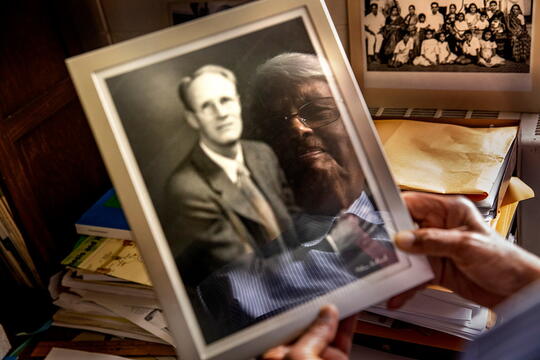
124	86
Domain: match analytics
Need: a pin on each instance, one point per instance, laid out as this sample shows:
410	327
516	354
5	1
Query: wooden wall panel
31	57
50	167
62	165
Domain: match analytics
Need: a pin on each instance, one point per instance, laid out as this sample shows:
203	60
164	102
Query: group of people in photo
474	32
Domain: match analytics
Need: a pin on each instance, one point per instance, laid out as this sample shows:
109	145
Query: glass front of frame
259	179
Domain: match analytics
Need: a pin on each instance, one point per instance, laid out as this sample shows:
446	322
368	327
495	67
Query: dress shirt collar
364	209
229	166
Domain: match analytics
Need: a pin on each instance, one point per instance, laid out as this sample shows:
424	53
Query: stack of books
105	219
105	286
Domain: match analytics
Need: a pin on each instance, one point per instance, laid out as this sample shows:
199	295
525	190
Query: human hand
323	340
466	255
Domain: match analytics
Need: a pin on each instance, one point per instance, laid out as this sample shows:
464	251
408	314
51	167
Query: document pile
451	159
106	288
437	308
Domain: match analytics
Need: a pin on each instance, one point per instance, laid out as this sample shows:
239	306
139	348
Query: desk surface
95	342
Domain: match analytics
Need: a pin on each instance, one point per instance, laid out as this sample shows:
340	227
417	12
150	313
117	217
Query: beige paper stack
106	289
445	158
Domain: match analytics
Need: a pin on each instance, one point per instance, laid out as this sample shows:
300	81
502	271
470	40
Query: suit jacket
209	223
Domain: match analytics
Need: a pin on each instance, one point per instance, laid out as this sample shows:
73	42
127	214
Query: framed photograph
446	54
247	164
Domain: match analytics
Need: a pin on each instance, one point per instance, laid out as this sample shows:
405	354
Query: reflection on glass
330	232
262	225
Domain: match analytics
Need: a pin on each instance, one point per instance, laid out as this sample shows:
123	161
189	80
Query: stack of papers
449	159
489	206
117	258
445	158
106	288
441	310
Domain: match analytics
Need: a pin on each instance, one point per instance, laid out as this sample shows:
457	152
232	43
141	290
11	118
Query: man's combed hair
185	83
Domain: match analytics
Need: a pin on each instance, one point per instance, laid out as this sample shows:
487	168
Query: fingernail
405	239
326	312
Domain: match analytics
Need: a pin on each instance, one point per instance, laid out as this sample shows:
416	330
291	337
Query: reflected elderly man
296	114
294	111
226	198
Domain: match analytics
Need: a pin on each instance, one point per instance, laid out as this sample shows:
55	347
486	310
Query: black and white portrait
250	168
448	35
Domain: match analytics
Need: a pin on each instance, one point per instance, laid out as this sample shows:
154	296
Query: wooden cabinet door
50	168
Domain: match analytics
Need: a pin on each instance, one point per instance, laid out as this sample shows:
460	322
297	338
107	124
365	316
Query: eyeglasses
316	113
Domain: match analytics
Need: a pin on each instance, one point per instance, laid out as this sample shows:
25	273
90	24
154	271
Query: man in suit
227	197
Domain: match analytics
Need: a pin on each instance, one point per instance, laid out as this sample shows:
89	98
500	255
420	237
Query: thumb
317	337
451	243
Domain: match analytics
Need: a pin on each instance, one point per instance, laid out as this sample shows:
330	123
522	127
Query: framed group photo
466	54
247	164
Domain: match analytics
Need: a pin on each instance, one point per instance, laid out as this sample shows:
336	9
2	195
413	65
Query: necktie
258	202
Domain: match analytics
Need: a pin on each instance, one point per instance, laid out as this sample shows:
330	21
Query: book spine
103	232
